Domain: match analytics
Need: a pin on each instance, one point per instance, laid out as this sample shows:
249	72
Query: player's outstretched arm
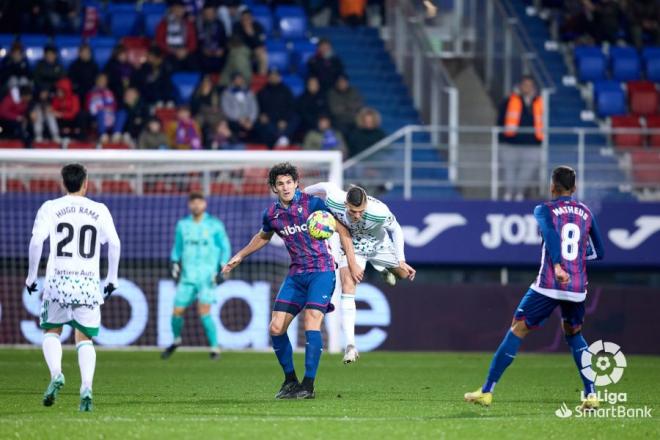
357	273
318	189
259	240
40	232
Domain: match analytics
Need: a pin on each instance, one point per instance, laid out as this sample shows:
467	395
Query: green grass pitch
384	396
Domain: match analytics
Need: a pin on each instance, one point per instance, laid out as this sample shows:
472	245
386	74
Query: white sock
87	362
348	317
52	348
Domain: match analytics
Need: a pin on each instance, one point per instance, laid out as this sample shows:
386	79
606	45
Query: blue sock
578	345
313	351
503	357
284	353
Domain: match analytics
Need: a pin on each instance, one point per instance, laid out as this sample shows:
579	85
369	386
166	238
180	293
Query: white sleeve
40	232
393	227
114	248
321	189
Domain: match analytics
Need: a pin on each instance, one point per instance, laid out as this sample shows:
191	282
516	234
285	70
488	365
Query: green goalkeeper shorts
187	293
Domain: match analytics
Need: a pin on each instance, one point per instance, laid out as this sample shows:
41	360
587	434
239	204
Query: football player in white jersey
370	223
77	227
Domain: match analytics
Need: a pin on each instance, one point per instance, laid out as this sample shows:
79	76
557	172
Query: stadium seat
11	143
291	21
34	54
122	19
115	146
185	84
609	99
223	189
589	63
34	40
116	187
263	16
51	145
642	97
653	123
68	55
295	83
102	48
78	145
625	63
651	57
645	165
627	140
303	50
278	55
253	181
165	115
162	187
45	186
136	49
16	185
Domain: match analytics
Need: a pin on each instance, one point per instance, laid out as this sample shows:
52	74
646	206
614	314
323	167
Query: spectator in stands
324	137
278	120
13	113
65	15
212	39
83	71
605	20
254	37
42	114
48	70
15	69
344	102
205	106
311	104
644	19
34	16
177	38
184	133
366	133
66	106
152	136
102	106
132	116
353	12
521	117
153	79
223	138
119	71
238	60
325	65
240	107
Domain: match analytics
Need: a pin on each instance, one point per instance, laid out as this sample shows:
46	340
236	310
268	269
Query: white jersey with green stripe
370	233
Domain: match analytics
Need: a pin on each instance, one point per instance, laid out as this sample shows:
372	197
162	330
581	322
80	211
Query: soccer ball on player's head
321	225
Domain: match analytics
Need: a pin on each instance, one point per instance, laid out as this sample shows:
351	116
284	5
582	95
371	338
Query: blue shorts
535	309
306	290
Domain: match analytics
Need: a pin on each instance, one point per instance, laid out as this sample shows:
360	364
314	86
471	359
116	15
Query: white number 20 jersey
77	227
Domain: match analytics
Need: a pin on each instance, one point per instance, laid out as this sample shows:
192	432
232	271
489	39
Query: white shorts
84	318
381	259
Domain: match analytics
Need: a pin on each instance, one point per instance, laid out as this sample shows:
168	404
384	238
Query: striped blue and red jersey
570	237
290	223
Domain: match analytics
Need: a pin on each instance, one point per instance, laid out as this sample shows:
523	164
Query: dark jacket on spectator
327	70
136	117
16	72
251	41
83	75
152	141
344	106
359	139
276	101
154	83
119	76
47	74
310	107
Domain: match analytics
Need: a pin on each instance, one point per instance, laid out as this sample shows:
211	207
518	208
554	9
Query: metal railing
411	161
434	94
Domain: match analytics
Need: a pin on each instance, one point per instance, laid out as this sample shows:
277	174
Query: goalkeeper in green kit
201	248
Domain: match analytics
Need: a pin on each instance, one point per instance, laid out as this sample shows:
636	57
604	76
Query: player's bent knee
570	330
276	328
520	329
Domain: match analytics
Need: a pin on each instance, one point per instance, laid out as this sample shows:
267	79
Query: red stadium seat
165	115
78	145
47	145
45	186
653	123
136	49
195	186
645	166
642	98
115	146
287	147
256	147
16	185
162	187
116	187
223	188
11	143
255	181
627	140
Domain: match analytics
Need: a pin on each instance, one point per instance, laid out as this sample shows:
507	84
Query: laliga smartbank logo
603	363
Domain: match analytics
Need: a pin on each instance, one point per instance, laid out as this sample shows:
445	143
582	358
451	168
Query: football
321	225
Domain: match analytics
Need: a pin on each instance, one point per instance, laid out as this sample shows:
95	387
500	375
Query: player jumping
77	227
571	236
201	248
369	220
310	282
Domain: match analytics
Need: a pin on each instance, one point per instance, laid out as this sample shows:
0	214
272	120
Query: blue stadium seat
589	63
122	21
6	40
651	56
303	50
185	84
102	48
278	55
262	15
154	8
291	21
295	83
609	98
67	40
34	40
68	55
625	63
150	23
34	54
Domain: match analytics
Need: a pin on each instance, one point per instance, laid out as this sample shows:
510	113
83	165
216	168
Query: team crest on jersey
300	209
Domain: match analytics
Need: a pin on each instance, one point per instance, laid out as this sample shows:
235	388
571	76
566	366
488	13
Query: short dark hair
564	177
356	196
73	177
195	195
282	169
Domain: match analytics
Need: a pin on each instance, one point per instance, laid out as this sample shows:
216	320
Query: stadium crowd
240	99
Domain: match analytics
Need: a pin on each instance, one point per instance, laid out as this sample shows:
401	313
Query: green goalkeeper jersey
202	248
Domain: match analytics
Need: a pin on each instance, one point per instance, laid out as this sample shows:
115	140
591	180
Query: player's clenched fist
561	275
410	272
235	261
